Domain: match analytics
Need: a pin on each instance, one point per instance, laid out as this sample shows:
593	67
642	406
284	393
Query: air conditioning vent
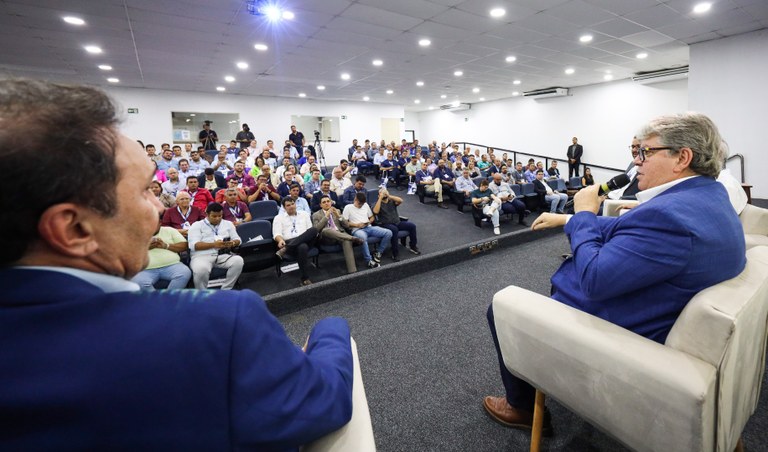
546	92
664	75
455	107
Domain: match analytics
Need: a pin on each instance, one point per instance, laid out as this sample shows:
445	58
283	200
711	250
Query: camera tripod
319	151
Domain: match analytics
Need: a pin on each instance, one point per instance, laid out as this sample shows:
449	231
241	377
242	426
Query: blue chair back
528	189
560	185
574	183
552	184
252	229
263	210
373	195
516	190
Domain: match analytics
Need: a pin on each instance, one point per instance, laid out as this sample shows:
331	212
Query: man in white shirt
339	183
173	184
211	242
307	165
224	162
294	235
359	217
184	170
197	164
301	203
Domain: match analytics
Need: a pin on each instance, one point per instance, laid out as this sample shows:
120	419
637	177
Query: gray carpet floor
427	357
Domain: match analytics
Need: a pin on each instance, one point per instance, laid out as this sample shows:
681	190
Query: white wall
604	117
727	82
268	117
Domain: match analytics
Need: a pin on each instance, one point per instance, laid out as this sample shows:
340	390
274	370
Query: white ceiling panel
619	27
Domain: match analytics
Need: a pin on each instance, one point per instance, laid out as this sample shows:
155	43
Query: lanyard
189	211
214	229
235	211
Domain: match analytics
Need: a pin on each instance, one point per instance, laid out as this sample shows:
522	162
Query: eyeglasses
634	146
648	152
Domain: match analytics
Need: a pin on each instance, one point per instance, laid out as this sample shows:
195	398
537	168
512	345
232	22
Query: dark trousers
514	206
520	394
298	247
573	168
402	226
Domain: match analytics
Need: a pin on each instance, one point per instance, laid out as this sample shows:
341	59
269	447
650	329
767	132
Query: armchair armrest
650	396
754	220
611	207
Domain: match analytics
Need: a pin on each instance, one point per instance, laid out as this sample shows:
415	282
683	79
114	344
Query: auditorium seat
263	210
694	393
257	247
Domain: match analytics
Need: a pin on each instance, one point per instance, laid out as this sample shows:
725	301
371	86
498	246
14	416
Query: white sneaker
496	231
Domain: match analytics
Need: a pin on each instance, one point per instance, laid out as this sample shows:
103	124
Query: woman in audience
159	174
474	171
258	165
587	179
166	199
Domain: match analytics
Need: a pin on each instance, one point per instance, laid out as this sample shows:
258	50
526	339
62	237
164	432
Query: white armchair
695	393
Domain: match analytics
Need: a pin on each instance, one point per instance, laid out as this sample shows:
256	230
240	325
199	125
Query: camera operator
211	242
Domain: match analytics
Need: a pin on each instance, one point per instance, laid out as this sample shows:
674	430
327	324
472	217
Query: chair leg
538	421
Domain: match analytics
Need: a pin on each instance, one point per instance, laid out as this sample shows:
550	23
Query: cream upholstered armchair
694	393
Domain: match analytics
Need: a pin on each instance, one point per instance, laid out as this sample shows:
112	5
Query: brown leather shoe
509	416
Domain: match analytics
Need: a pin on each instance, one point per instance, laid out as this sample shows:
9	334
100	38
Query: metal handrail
741	161
546	158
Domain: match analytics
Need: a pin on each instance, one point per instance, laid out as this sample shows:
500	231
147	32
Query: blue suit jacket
179	370
640	270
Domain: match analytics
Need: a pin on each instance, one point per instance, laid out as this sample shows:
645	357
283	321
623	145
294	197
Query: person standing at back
575	151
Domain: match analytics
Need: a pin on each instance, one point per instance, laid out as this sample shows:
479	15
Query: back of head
63	135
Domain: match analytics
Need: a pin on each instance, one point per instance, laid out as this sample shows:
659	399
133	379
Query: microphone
613	184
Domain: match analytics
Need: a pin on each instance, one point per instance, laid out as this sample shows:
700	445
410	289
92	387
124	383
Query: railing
741	162
464	145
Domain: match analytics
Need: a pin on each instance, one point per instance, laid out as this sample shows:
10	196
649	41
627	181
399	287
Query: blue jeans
556	201
177	274
373	231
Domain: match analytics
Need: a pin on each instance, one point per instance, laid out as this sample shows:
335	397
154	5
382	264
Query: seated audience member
164	261
465	185
348	197
269	159
177	153
201	197
553	172
167	161
233	148
587	179
235	210
294	235
518	175
211	180
506	176
630	191
444	175
253	148
556	199
280	171
285	187
258	164
641	269
272	178
474	171
164	198
211	242
339	183
303	160
312	185
184	171
377	159
312	169
306	167
325	190
197	164
484	200
244	180
159	174
152	152
183	215
300	202
457	166
264	191
360	160
173	184
431	165
359	218
388	169
530	173
540	166
332	227
223	163
509	204
385	210
495	167
187	150
352	149
221	195
483	164
430	184
346	169
412	168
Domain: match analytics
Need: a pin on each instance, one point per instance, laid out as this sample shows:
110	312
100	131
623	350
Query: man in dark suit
92	363
639	270
575	150
325	190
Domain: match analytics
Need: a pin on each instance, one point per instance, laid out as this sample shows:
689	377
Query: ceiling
192	45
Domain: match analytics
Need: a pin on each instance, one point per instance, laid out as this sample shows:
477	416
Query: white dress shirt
204	231
290	226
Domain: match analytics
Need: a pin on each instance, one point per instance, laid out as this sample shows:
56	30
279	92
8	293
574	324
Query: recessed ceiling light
287	15
515	93
229	78
458	73
113	80
431	108
608	77
702	7
516	82
443	96
220	88
366	98
419	83
570	70
272	13
242	65
73	20
105	67
377	62
389	91
345	76
192	115
93	49
498	12
321	87
641	56
475	90
425	42
585	38
416	101
481	99
510	59
302	94
261	47
188	120
455	103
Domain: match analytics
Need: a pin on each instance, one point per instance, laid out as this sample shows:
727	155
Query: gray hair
694	131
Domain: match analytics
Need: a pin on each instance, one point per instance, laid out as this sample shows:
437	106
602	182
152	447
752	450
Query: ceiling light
641	56
498	12
608	77
516	82
220	88
242	65
570	70
345	76
475	90
416	101
585	38
302	94
73	20
261	47
431	108
425	42
188	120
419	83
366	98
510	59
458	73
377	62
113	80
321	87
481	99
93	49
455	103
287	15
192	115
515	93
389	91
701	8
229	78
272	13
105	67
443	96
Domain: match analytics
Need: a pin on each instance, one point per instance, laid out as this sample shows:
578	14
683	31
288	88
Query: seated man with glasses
640	270
629	191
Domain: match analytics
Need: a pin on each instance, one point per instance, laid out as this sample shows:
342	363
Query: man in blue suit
639	270
90	362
